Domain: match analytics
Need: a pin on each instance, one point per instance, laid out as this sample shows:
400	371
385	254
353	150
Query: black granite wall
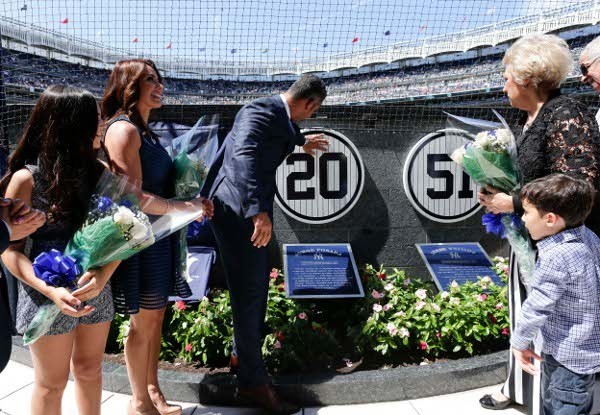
382	227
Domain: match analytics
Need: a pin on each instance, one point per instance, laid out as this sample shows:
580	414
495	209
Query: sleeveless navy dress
147	279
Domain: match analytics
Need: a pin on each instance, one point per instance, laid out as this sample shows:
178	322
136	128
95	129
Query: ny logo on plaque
320	271
322	188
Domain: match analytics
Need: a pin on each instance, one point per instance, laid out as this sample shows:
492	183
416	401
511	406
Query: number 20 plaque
322	188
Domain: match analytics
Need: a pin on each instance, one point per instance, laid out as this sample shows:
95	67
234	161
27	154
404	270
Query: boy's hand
524	358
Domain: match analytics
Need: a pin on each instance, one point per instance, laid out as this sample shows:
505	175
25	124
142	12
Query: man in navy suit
241	183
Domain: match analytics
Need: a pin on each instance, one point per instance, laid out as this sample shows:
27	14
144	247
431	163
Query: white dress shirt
287	106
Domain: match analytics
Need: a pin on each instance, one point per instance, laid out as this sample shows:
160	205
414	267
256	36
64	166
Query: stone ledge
395	384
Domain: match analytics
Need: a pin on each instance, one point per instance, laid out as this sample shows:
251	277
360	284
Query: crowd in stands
36	73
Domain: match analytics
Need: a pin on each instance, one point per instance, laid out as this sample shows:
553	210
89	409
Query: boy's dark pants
565	392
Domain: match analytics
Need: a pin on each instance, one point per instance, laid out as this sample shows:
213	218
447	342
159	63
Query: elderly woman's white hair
591	51
543	60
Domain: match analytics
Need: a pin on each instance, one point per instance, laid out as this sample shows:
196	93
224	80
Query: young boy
564	301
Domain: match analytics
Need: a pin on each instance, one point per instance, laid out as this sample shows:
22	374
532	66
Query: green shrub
399	320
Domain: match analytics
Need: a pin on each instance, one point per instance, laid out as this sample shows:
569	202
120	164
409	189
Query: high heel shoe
173	409
132	411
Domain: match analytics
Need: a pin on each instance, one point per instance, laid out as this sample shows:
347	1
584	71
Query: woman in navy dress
143	283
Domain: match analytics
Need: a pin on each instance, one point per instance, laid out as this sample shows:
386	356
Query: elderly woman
555	135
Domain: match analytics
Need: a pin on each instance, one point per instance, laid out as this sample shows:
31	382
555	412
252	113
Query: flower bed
399	321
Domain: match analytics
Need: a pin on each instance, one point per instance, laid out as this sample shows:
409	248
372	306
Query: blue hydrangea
104	204
126	203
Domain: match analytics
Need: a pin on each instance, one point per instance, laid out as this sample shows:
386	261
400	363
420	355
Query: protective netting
387	63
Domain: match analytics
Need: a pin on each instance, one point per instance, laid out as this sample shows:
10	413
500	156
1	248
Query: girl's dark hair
123	91
59	139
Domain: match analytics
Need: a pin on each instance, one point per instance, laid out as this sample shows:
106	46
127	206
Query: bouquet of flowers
115	228
490	161
192	155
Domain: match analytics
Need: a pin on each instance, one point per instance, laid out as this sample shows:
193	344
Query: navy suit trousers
247	273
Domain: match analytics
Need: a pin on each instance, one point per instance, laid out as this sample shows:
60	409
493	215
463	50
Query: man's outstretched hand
315	142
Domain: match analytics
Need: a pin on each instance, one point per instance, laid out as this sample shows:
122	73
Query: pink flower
435	307
274	273
404	332
391	328
180	305
505	331
438	334
377	295
302	316
188	347
407	282
499	306
377	308
423	345
387	307
482	297
277	344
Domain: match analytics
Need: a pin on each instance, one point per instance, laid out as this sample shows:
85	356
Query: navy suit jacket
4	237
243	173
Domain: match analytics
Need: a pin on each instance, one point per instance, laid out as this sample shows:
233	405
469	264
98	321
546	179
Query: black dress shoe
267	398
488	402
234	364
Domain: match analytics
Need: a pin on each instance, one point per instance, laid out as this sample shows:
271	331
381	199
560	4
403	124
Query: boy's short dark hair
310	87
570	198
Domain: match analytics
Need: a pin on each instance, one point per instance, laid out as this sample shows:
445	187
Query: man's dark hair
309	87
566	196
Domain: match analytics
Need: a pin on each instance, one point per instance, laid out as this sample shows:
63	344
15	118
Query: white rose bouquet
115	228
489	160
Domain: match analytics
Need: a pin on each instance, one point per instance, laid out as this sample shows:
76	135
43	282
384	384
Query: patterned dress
54	236
563	138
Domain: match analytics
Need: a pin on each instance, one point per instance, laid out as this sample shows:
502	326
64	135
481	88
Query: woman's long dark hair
123	91
59	139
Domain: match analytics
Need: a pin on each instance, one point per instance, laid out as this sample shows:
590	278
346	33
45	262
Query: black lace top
563	138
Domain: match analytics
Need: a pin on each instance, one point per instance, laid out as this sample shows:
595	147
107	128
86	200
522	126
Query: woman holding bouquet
555	135
143	283
54	168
